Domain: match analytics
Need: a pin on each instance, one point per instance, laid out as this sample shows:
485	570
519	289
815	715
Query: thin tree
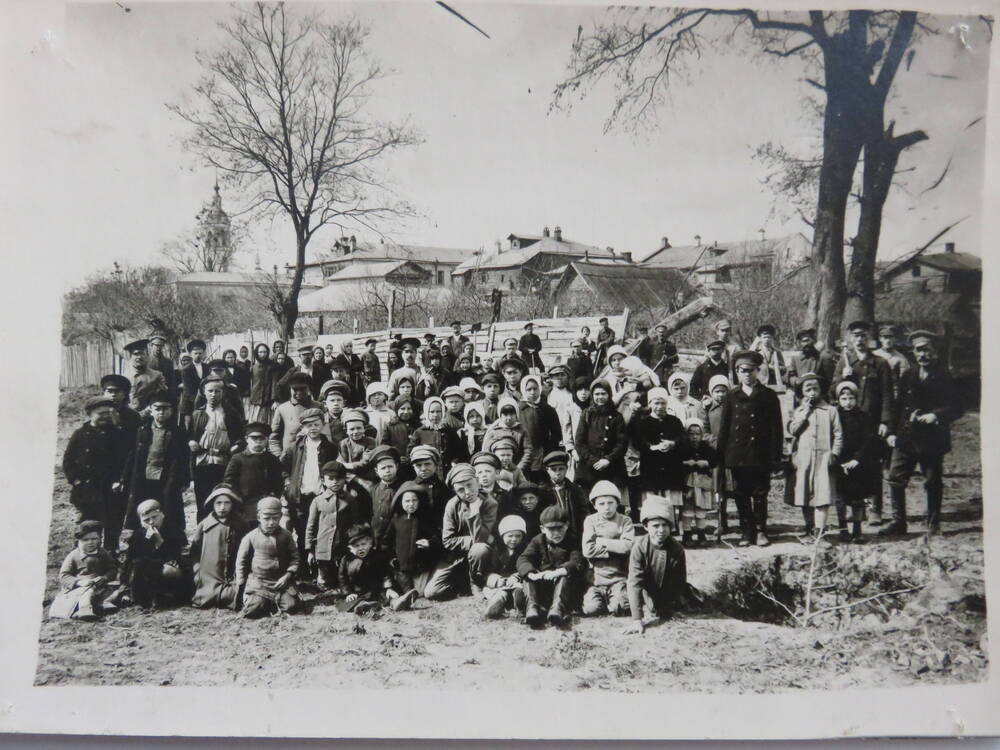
281	112
850	57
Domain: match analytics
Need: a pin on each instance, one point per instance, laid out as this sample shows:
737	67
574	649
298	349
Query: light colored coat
818	443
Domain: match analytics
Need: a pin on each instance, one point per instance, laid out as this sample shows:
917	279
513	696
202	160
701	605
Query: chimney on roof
354	243
697	239
545	231
586	256
949	247
664	243
627	256
558	234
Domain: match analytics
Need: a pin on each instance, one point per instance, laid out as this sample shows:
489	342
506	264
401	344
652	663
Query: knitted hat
656	507
616	349
358	532
716	380
847	385
604	488
376	387
512	523
677	376
657	393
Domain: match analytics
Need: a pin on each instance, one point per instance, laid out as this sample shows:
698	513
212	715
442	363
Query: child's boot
404	601
687	538
497	605
702	541
856	537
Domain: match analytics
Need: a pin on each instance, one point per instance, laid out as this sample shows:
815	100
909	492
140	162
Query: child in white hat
503	591
657	569
607	541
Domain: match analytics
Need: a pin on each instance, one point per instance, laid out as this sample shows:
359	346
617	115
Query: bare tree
851	58
280	111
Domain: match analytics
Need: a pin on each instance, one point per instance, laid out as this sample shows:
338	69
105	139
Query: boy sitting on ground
503	590
607	542
657	569
266	564
365	576
549	566
411	541
156	572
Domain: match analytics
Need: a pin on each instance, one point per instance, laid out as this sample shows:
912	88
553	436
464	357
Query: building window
440	278
915	272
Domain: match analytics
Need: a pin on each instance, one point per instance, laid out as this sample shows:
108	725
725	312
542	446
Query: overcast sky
101	145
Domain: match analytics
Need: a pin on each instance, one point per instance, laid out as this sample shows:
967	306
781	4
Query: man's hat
887	329
268	504
139	345
483	457
370	341
223	490
298	378
195	344
922	335
212	379
161	397
382	452
339	386
529	324
96	402
310	415
602	320
117	381
456	322
157	336
514	362
491	377
809	376
553	514
334	469
460	473
510	338
257	428
423	453
810	332
859	325
716	343
428	336
452	390
306	348
558	369
556	458
504	441
752	357
217	364
411	342
766	328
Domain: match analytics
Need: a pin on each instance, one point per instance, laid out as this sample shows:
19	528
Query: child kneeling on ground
86	577
365	576
657	569
607	540
549	567
215	545
267	563
503	590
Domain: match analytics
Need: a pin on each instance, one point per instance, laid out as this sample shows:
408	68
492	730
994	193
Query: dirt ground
935	635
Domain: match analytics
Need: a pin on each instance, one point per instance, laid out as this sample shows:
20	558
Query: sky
102	155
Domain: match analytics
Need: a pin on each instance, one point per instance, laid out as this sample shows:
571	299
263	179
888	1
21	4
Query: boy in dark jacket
411	542
364	574
254	472
341	505
154	569
560	491
504	588
425	460
657	569
549	566
384	460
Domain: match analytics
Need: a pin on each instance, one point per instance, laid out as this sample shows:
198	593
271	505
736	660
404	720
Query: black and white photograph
630	355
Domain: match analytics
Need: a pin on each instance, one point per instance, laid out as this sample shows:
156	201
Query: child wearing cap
510	475
657	568
384	461
87	576
433	431
526	500
412	542
561	492
504	590
816	448
468	526
215	544
340	505
772	367
492	385
506	426
473	431
549	566
454	406
378	411
718	388
663	446
302	464
155	570
355	448
425	461
267	563
254	472
364	574
607	541
853	472
699	493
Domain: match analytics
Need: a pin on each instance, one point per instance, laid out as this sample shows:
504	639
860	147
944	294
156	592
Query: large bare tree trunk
881	158
290	305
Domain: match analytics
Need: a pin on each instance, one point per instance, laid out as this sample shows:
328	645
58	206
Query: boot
702	541
760	520
687	539
404	601
934	510
559	608
748	531
898	525
856	537
497	606
533	616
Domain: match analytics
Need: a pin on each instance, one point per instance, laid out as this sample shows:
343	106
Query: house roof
918	308
544	245
726	253
228	278
378	270
349	296
942	261
368	252
637	287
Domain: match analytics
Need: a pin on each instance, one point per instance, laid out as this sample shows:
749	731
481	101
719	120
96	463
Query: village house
530	261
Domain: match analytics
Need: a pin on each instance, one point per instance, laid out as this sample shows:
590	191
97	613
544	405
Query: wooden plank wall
85	364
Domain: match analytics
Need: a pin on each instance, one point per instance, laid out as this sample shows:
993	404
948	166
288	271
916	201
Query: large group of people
543	491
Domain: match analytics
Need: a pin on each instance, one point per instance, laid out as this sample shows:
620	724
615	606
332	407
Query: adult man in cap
370	366
530	346
304	367
162	363
808	359
890	352
714	364
285	422
231	395
750	444
427	347
662	354
409	368
145	380
579	363
873	377
560	397
772	371
467	533
191	376
159	465
117	387
921	431
94	465
603	341
457	338
216	428
733	344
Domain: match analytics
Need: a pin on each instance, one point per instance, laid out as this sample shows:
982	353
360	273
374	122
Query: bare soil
933	635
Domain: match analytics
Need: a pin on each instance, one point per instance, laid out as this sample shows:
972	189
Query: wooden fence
86	364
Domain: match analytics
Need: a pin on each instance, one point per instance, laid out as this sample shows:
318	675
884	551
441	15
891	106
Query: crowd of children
535	493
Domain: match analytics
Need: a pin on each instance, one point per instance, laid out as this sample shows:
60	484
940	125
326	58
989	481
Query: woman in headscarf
542	430
435	432
600	440
262	381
